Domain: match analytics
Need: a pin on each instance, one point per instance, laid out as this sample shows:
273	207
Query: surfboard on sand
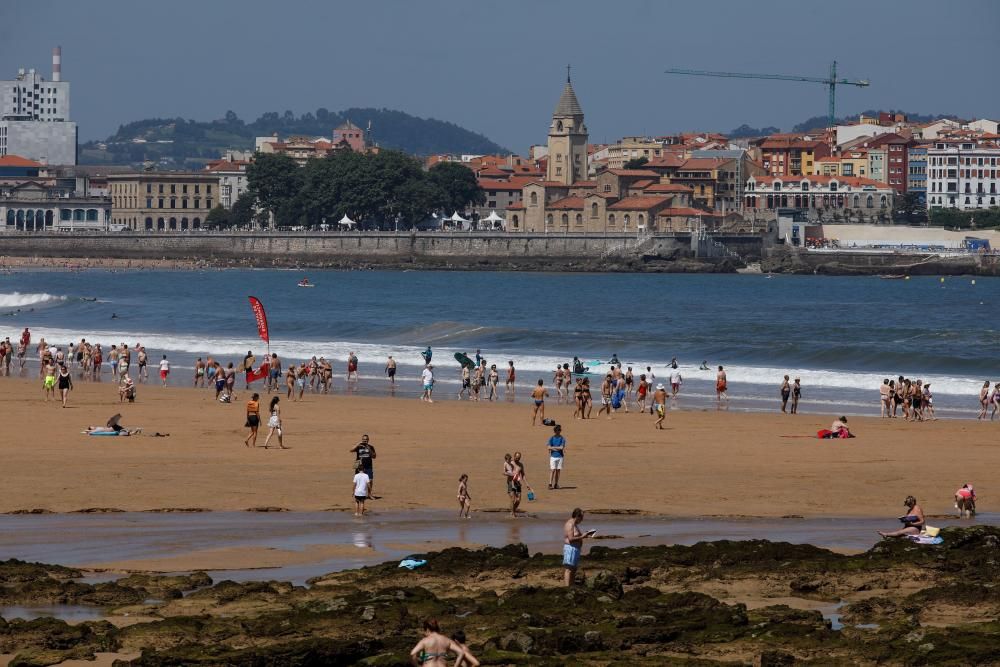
464	360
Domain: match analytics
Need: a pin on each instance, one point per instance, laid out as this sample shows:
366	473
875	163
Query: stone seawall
430	249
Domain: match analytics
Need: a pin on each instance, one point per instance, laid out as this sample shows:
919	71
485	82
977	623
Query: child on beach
464	499
360	486
49	384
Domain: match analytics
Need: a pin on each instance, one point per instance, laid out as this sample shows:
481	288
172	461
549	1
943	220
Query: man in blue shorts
573	543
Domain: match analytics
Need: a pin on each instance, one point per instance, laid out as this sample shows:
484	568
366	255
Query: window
548	219
593	210
208	189
196	189
607	188
870	202
579	219
777	186
565	220
628	219
833	186
160	203
611	220
558	171
534	199
883	201
149	202
173	191
161	188
184	188
184	202
805	186
515	221
149	190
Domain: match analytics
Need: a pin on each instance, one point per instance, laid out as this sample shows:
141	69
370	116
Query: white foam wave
765	379
28	299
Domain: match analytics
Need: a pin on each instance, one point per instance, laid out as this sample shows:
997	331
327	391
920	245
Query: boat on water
305	283
893	277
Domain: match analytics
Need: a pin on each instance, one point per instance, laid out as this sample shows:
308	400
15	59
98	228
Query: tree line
384	190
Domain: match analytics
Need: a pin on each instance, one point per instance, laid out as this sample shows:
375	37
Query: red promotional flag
259	374
261	317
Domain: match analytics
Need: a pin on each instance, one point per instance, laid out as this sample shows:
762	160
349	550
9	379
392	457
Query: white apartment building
34	116
963	174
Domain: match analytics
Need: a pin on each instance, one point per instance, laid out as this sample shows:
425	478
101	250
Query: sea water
840	335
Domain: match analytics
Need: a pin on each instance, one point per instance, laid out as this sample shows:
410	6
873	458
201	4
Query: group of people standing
911	397
989	399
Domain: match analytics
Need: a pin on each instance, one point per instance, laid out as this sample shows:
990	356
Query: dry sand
704	463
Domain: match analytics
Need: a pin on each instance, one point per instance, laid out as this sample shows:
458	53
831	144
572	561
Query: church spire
568	104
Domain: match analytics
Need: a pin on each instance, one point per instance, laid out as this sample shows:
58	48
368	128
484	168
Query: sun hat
660	386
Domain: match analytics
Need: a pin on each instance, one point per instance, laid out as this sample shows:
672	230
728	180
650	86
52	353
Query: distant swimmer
426	354
114	316
704	366
614	360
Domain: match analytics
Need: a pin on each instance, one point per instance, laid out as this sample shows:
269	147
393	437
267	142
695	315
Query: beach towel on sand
410	563
926	539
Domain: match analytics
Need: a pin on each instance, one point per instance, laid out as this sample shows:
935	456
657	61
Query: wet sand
704	464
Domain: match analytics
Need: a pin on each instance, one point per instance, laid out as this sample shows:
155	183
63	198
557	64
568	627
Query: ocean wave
763	378
29	300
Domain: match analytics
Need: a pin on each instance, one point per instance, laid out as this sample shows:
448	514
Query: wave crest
28	299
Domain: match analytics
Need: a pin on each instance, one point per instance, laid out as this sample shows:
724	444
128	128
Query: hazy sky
498	67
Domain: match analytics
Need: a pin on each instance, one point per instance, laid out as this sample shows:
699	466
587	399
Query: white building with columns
963	174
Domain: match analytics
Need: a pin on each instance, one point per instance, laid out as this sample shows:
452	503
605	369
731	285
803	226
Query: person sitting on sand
839	428
965	501
126	392
913	520
434	648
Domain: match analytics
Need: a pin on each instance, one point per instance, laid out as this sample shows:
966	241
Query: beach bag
616	401
931	531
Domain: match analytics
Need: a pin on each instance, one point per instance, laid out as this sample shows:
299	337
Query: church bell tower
567	139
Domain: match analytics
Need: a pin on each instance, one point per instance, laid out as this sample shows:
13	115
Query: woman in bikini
557	380
464	499
984	403
629	381
65	383
433	650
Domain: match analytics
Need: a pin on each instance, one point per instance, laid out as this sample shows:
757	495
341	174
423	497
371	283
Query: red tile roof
703	163
492	171
642	185
667	161
512	184
567	203
782	143
18	161
669	187
584	184
641	203
634	172
548	184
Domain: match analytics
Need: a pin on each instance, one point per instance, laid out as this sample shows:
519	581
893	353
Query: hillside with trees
178	142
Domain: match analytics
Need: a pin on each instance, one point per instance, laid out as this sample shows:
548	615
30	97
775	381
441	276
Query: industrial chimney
57	64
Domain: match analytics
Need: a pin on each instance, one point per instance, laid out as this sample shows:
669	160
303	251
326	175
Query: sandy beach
706	463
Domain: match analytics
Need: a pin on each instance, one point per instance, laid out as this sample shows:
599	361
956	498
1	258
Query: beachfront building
232	175
34	116
833	198
916	178
963	173
43	205
170	201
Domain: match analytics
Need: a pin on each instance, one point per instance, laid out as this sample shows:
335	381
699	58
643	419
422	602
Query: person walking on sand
538	395
65	383
434	648
984	404
49	383
199	373
557	453
361	485
796	395
164	370
493	379
513	472
364	455
572	545
253	420
606	396
427	376
273	374
675	382
721	386
508	385
659	406
390	370
464	499
786	393
274	424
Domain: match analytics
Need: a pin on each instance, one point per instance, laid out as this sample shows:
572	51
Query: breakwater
457	250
